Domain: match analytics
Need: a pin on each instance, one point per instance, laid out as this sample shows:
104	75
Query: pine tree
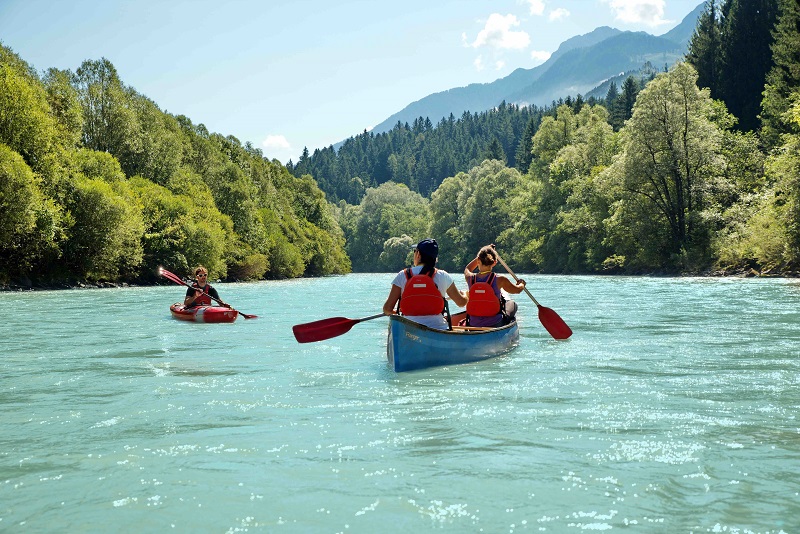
495	151
704	48
523	154
784	76
746	57
623	106
611	95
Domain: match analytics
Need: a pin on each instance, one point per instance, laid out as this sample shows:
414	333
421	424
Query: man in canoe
195	294
421	290
487	307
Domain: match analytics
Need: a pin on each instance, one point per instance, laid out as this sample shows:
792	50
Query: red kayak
203	314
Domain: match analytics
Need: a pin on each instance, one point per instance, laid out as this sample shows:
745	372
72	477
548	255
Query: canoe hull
203	314
412	346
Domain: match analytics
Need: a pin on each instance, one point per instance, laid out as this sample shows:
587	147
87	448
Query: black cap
428	247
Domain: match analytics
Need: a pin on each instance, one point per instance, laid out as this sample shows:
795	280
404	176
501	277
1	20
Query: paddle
177	279
549	318
326	328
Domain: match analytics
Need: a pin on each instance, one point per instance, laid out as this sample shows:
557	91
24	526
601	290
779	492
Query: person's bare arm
459	297
509	286
391	300
471	266
189	300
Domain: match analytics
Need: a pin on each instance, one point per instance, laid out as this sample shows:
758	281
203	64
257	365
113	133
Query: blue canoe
414	346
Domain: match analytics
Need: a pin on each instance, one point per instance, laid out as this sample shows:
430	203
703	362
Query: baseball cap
428	247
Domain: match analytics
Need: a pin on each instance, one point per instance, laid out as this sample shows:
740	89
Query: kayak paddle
326	328
177	279
549	318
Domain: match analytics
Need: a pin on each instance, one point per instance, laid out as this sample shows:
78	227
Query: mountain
581	64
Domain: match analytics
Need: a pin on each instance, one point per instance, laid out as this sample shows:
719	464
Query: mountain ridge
580	65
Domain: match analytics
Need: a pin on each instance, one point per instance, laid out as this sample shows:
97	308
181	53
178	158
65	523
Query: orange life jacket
421	296
483	300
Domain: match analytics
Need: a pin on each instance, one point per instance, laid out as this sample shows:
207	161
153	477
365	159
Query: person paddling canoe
194	294
423	300
489	308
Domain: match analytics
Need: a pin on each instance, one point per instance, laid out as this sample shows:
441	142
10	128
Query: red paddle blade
324	329
170	276
554	324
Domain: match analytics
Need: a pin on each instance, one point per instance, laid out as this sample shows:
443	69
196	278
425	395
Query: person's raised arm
471	266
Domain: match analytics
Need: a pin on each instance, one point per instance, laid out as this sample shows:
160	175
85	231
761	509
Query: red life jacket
203	299
421	296
483	300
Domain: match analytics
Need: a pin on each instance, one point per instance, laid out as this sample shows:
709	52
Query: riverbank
28	285
65	285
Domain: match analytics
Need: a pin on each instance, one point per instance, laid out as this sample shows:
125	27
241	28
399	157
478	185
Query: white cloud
478	63
558	14
649	12
540	55
498	65
537	7
276	142
498	33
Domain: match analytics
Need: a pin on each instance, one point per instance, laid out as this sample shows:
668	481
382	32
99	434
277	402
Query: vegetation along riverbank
690	170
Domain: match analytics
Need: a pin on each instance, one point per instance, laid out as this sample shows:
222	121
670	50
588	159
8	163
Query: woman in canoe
489	308
423	299
195	295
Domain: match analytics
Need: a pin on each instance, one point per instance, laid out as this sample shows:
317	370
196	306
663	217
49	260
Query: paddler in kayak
194	294
423	299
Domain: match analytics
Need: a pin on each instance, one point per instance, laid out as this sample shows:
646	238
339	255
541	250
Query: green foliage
94	164
26	124
746	57
390	210
30	223
554	134
783	167
110	123
484	207
104	240
495	151
181	231
157	149
65	106
576	241
705	48
670	153
422	155
784	78
397	253
96	182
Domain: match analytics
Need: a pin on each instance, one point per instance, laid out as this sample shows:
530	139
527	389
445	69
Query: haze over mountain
580	65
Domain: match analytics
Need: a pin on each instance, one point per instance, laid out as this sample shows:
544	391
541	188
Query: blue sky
288	74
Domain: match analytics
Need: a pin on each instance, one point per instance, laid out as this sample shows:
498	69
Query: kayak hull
411	346
203	314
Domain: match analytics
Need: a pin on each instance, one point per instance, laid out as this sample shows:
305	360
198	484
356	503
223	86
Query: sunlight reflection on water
672	408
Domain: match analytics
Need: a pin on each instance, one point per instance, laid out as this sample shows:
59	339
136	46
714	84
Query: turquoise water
673	408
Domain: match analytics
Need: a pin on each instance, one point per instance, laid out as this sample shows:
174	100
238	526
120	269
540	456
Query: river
672	408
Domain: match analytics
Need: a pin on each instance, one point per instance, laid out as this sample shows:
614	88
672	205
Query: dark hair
487	255
428	252
428	263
